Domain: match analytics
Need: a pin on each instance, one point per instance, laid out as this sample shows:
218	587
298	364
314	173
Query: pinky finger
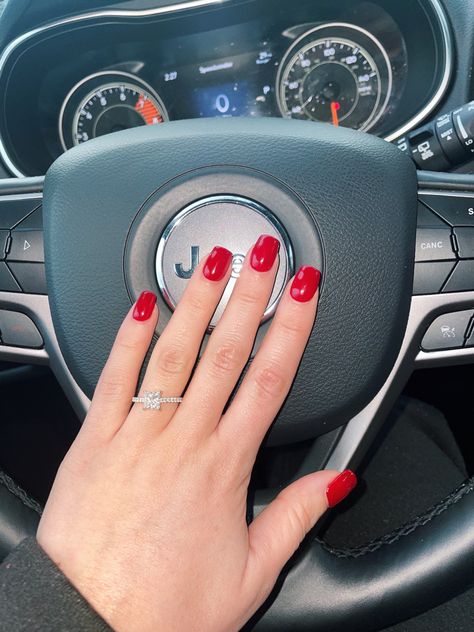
117	384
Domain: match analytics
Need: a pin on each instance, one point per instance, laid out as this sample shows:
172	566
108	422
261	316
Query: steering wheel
138	209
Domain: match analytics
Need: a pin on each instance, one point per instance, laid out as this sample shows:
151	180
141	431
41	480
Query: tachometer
338	74
105	103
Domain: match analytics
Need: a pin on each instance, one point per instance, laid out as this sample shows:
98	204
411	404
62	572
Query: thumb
276	533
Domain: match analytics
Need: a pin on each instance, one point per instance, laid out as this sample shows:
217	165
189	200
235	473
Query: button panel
21	246
448	331
445	234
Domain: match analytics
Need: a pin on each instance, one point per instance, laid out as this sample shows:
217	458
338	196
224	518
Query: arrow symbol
26	245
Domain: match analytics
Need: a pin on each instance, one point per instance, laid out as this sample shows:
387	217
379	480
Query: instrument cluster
350	66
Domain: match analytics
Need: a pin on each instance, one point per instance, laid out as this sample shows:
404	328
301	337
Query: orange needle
335	106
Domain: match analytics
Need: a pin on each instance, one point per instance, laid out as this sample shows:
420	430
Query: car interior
136	134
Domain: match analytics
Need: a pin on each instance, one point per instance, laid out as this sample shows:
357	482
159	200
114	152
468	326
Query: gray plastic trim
360	431
196	4
37	308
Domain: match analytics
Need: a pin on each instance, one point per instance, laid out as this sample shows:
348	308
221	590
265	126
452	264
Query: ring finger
175	353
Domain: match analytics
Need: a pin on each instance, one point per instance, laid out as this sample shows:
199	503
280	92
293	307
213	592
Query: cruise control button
27	245
465	242
447	331
14	210
34	221
7	280
427	218
31	276
462	279
430	277
433	244
18	330
455	209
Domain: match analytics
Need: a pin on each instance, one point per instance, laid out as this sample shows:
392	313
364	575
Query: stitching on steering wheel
390	538
20	493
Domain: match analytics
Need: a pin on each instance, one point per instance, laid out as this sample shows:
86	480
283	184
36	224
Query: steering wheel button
457	210
447	331
14	210
434	244
27	245
465	242
18	330
31	276
34	221
7	280
430	277
427	218
462	278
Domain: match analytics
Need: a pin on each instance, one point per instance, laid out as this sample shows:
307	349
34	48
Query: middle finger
231	342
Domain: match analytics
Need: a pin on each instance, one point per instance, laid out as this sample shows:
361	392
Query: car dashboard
371	66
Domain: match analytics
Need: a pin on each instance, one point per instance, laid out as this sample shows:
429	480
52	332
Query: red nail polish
264	253
340	487
217	264
305	284
144	306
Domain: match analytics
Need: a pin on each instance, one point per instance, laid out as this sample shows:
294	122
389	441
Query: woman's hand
147	514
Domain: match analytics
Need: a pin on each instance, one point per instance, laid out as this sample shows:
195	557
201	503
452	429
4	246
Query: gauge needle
335	107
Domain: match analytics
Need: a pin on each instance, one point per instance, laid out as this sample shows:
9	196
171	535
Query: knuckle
112	386
228	356
197	303
126	343
270	382
249	296
289	328
299	515
172	360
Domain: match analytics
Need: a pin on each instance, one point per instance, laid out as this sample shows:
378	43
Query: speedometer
105	103
338	74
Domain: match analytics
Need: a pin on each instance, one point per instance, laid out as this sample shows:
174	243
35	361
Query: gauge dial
96	107
334	79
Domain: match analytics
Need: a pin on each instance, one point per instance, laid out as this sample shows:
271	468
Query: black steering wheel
137	209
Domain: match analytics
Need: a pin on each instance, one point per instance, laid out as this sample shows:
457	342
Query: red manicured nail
264	253
217	264
305	284
340	487
144	306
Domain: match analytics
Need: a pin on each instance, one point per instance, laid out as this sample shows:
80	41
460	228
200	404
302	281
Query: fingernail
340	487
217	264
144	306
305	284
264	253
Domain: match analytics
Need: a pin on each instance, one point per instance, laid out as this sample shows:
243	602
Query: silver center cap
229	221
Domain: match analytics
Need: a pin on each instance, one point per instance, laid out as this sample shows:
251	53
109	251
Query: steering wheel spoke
27	333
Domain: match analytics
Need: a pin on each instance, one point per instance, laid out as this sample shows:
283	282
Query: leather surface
19	515
359	190
418	567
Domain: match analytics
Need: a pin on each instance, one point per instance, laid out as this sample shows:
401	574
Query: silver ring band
152	400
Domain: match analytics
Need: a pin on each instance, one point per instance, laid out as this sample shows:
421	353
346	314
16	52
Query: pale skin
147	516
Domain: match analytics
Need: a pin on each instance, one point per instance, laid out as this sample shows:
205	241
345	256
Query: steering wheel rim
313	561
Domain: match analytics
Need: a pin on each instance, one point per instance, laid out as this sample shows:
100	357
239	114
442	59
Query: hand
147	514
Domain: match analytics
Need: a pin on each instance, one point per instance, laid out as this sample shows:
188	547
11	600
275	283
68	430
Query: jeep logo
186	271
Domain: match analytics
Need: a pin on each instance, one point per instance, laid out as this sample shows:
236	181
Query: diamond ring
152	400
